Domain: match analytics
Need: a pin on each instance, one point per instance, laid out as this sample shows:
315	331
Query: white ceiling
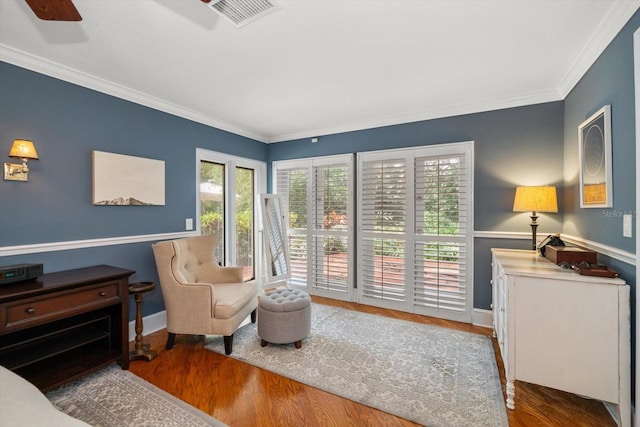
317	67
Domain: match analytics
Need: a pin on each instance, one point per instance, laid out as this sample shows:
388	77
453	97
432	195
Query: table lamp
535	199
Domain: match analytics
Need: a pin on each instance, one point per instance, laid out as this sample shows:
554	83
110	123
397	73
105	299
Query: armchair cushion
231	297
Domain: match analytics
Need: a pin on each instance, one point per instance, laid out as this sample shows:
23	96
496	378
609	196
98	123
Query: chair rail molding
88	243
610	251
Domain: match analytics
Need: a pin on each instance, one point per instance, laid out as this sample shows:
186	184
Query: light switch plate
627	228
188	223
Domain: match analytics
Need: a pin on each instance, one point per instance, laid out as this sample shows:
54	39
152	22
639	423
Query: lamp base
15	172
534	227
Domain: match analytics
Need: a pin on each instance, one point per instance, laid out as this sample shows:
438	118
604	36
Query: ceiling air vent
242	12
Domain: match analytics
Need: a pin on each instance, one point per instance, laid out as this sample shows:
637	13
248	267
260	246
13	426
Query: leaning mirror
274	223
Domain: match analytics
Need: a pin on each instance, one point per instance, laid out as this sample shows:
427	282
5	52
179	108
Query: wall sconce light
535	199
22	149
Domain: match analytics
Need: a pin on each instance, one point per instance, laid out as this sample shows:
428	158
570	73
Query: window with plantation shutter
441	211
415	230
382	228
292	183
320	198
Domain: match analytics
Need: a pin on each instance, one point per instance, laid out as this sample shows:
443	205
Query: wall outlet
627	228
188	224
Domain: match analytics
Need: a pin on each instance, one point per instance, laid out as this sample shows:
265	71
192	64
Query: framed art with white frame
594	140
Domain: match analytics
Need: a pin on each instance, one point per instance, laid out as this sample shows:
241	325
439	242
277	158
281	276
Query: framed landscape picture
594	138
127	180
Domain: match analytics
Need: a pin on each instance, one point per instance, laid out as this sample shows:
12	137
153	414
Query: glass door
229	189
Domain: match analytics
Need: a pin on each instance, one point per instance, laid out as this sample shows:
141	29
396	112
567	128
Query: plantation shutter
330	237
383	227
320	197
292	183
415	230
441	211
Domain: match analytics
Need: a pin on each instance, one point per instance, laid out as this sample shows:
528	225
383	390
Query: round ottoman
284	316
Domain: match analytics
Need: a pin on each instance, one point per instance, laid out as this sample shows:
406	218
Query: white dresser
562	330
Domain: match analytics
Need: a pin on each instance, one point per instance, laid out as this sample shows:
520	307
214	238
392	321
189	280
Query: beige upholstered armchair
201	297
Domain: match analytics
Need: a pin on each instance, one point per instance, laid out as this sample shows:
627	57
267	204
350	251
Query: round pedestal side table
140	350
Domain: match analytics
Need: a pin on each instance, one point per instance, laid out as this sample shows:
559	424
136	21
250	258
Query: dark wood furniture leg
228	344
171	339
140	351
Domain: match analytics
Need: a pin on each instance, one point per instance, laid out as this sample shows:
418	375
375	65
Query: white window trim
260	186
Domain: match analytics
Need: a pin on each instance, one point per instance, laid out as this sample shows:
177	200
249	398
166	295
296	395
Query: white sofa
23	405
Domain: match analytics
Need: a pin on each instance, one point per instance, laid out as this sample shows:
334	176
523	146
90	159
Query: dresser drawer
27	313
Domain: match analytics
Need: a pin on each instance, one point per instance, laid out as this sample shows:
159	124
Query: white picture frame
121	180
594	142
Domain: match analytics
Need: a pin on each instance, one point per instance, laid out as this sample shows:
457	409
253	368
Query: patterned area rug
427	374
116	398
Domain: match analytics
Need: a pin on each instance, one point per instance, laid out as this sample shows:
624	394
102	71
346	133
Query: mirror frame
267	201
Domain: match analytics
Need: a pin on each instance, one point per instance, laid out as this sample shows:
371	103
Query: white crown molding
90	243
52	69
450	111
49	68
615	19
617	16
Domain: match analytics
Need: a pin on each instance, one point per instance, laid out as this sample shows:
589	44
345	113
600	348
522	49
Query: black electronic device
19	272
550	240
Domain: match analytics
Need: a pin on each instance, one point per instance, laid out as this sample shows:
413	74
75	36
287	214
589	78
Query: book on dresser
563	330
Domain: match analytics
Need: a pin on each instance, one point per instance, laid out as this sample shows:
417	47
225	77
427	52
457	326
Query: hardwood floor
242	395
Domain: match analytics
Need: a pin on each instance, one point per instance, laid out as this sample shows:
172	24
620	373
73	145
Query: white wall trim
62	72
609	27
158	321
615	253
502	235
481	317
150	324
89	243
610	251
452	111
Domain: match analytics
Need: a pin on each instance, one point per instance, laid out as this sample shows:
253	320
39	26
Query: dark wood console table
65	324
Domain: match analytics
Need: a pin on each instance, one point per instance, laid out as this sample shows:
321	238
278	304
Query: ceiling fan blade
55	10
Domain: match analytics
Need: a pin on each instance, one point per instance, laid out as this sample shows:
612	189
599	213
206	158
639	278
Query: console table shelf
65	324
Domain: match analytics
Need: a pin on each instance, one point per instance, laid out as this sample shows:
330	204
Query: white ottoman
284	316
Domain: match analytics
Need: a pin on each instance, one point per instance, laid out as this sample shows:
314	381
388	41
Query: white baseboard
613	411
481	317
156	321
151	323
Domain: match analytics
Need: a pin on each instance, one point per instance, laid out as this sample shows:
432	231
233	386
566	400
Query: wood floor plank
242	395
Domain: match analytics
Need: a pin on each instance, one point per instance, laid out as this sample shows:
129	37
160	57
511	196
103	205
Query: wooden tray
595	270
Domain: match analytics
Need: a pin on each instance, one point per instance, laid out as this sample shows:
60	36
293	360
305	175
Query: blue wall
66	123
609	81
